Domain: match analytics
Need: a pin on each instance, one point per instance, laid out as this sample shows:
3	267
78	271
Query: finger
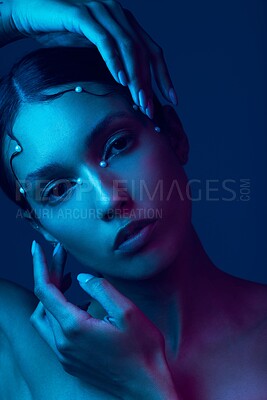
57	266
82	22
42	325
119	14
55	326
158	63
130	48
115	303
53	300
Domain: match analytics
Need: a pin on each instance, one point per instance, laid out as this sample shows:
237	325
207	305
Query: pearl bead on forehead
102	164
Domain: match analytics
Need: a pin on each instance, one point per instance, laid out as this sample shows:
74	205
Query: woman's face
65	139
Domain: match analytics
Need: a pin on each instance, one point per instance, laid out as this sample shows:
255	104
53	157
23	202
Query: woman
163	322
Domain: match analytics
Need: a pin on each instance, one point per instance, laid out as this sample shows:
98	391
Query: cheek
72	226
160	171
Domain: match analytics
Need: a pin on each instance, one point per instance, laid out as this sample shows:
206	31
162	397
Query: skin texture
214	325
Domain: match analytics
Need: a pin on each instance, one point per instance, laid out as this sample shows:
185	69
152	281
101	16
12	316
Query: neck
168	298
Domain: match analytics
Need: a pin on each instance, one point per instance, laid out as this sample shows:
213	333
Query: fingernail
84	278
56	249
173	96
122	78
143	110
33	247
150	109
142	99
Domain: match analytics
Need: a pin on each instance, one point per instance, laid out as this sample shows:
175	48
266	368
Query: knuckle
33	319
103	39
128	313
38	291
70	329
128	45
62	346
134	49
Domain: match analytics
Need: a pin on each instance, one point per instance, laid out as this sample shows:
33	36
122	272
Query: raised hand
129	52
123	355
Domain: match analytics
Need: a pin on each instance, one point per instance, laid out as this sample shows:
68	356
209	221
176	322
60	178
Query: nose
112	199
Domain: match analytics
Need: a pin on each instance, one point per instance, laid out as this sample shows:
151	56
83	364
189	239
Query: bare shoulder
16	306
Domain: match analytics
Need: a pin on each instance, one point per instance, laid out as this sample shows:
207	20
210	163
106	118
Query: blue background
216	52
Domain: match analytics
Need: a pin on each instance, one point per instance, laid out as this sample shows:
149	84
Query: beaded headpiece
18	148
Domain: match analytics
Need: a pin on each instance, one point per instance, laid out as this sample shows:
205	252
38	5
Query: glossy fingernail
56	249
173	97
143	110
142	98
150	109
122	78
84	278
33	247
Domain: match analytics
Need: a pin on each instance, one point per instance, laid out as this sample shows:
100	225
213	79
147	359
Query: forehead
44	129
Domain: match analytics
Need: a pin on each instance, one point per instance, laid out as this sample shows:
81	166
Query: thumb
115	303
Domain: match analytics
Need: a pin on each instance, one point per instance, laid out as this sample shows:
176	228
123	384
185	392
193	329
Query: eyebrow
50	170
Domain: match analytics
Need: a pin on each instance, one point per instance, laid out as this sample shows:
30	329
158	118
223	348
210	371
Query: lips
130	230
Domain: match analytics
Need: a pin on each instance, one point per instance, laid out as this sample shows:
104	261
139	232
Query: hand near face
129	52
123	355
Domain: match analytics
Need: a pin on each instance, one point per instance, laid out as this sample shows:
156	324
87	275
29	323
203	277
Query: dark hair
27	81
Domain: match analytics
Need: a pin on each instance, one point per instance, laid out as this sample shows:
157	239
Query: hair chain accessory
103	164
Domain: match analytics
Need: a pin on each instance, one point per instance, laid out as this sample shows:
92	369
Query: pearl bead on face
103	164
78	89
18	149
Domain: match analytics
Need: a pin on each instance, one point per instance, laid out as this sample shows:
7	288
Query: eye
118	144
56	191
